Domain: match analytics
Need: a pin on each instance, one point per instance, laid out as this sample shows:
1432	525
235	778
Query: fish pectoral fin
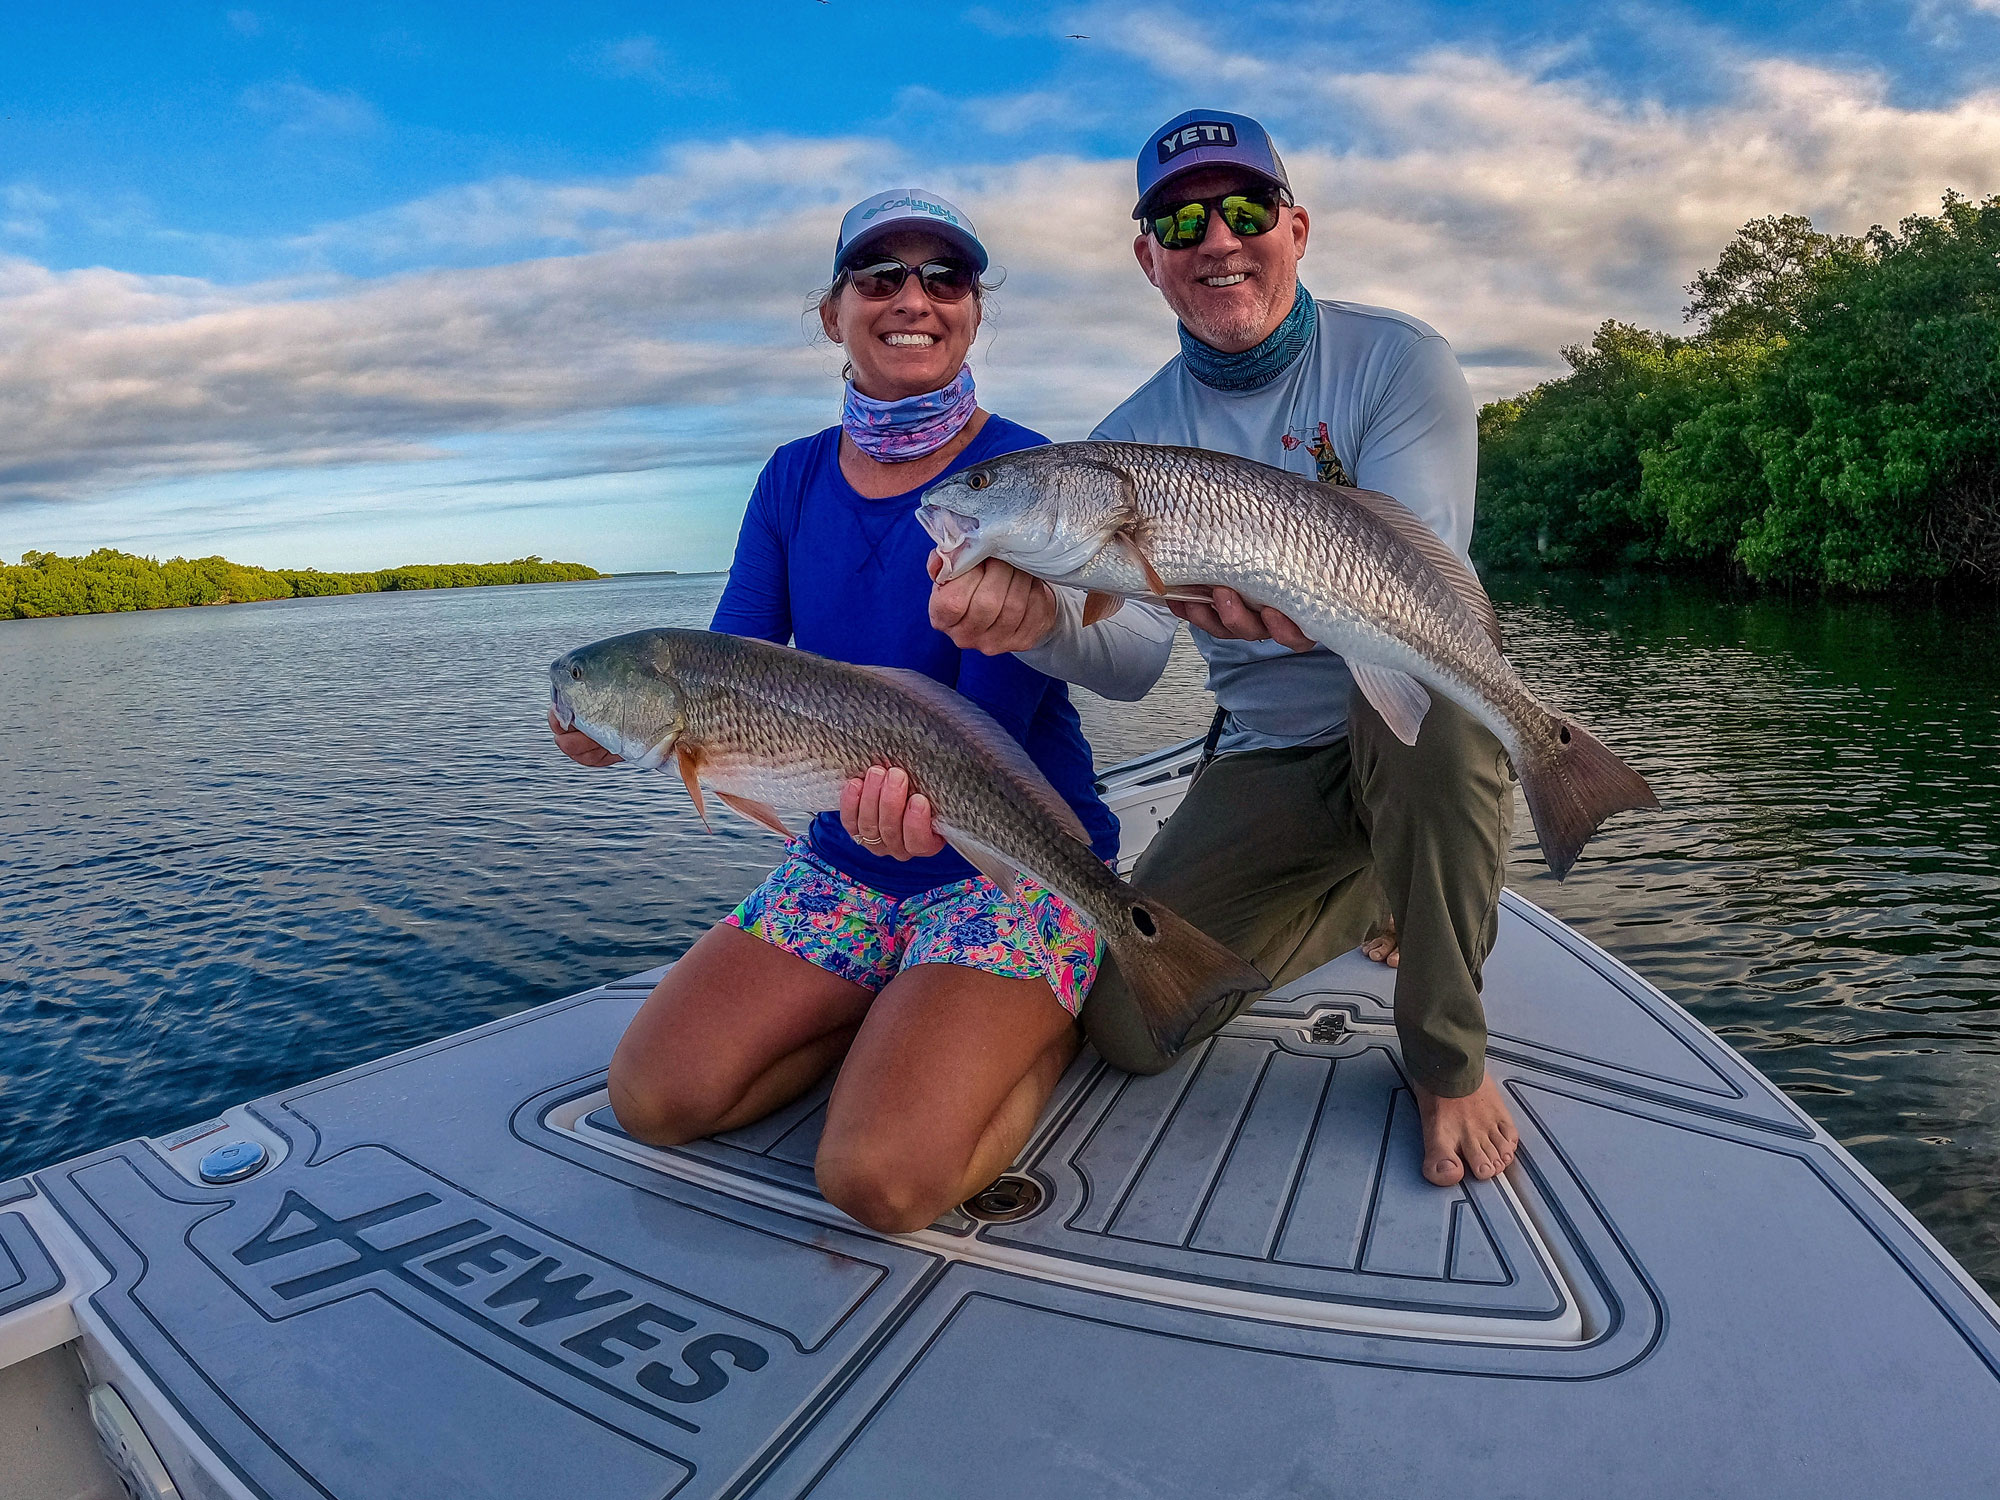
1126	542
690	765
984	858
1098	605
756	812
1397	696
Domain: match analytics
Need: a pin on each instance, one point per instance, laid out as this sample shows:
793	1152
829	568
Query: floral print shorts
836	923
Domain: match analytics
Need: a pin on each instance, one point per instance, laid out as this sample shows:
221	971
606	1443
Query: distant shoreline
45	586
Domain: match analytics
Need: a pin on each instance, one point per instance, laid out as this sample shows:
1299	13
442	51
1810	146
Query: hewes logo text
596	1321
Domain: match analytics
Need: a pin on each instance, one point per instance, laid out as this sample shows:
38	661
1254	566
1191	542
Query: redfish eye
978	481
576	673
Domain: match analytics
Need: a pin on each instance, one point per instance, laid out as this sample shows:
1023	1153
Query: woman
873	947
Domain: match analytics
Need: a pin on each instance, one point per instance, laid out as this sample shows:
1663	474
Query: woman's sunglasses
942	280
1247	214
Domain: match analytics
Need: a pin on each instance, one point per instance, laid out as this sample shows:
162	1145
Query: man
1311	811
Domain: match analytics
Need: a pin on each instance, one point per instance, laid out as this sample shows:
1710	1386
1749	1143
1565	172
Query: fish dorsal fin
1397	696
979	727
1457	572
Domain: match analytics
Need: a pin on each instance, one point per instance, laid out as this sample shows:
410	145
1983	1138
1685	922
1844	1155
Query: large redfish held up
1357	571
768	727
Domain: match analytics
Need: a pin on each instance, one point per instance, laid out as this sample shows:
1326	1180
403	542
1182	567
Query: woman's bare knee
653	1110
887	1195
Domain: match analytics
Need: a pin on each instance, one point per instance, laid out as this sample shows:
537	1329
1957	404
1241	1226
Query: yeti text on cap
1201	133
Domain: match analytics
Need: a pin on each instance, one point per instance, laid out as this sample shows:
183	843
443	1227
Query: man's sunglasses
942	280
1183	226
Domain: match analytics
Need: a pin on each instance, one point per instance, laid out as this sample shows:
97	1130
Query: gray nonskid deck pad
27	1272
456	1282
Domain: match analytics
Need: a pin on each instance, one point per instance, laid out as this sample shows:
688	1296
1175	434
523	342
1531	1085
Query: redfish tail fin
1574	789
1175	971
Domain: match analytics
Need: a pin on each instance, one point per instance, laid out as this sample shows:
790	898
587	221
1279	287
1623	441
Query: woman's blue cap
1206	138
903	209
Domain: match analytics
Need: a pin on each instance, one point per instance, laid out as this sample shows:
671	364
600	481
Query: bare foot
1473	1134
1382	947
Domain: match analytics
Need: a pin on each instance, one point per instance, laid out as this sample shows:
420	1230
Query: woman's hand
994	608
579	746
880	813
1229	618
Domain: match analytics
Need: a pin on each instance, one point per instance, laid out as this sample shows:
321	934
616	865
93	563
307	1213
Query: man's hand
993	609
879	813
580	747
1228	618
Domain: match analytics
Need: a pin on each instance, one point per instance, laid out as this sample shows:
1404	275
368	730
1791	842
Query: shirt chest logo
1316	441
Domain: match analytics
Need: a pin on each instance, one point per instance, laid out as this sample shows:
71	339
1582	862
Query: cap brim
874	234
1195	161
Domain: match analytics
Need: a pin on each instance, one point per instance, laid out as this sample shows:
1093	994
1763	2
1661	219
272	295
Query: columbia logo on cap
915	205
1200	133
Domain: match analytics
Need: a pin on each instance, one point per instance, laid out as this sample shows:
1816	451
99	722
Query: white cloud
299	108
738	185
25	210
631	57
1512	207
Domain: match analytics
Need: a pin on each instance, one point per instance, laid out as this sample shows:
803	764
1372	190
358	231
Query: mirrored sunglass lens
1248	215
1184	226
945	281
879	280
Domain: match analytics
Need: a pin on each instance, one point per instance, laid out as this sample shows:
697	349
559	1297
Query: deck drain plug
1330	1027
1009	1198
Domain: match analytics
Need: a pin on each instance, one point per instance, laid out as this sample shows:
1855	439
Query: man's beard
1241	329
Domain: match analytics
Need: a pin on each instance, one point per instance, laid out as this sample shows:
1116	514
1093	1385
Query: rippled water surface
245	846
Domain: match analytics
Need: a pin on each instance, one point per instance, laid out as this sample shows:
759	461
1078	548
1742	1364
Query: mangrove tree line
45	584
1833	420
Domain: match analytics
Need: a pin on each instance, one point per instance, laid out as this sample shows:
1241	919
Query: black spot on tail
1143	920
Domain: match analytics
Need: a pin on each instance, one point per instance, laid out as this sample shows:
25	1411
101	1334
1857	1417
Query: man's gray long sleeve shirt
1376	400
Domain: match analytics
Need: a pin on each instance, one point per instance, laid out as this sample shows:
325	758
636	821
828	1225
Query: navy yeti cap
1206	138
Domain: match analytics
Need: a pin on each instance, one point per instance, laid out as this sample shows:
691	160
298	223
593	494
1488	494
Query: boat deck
457	1277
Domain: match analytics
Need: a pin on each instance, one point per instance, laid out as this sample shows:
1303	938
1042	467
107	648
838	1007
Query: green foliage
1560	466
1835	423
1764	278
45	584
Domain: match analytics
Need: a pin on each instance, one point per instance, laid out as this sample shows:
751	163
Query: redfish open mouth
954	534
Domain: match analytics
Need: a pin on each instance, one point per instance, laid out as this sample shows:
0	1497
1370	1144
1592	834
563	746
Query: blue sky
355	286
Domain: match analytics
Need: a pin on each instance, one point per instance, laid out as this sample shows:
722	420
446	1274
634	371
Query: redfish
1357	571
768	727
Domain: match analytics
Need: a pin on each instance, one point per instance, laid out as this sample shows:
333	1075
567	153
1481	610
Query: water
247	846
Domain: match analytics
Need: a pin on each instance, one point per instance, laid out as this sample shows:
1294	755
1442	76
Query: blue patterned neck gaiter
1261	365
890	431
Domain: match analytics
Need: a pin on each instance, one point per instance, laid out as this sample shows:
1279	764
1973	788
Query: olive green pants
1290	856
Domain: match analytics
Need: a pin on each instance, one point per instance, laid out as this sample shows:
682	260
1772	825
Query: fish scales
764	722
1263	541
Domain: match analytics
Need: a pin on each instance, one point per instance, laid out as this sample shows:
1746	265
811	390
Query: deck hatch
1267	1164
